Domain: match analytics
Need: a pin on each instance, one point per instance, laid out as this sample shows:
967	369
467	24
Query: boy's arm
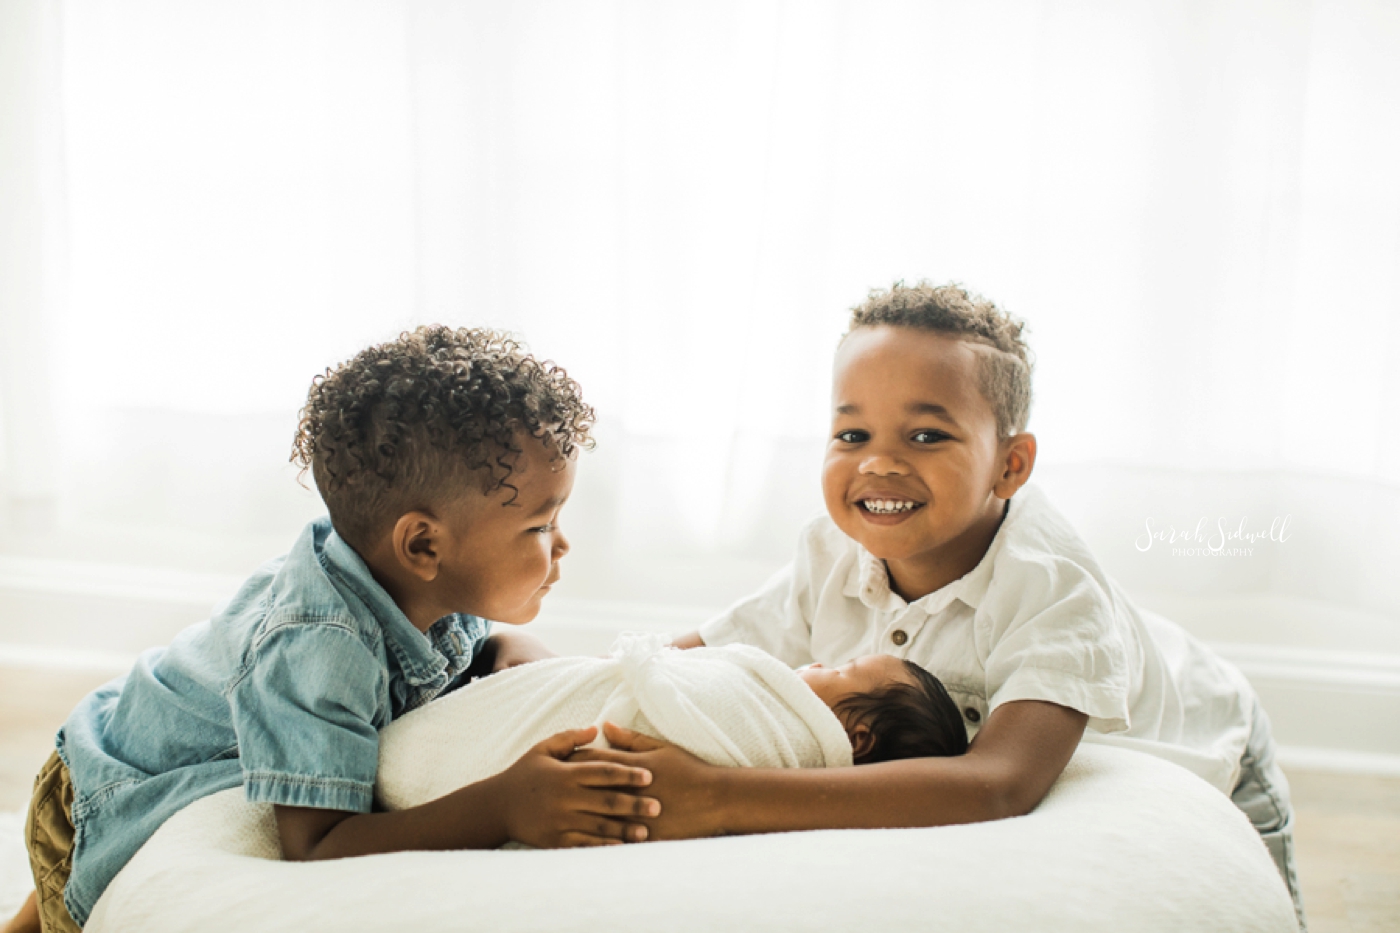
688	641
502	651
1009	768
513	648
541	800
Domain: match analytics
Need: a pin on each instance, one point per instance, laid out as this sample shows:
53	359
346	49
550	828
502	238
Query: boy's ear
1017	461
415	540
862	742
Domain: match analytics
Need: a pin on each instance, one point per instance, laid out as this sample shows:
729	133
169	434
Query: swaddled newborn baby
890	708
734	706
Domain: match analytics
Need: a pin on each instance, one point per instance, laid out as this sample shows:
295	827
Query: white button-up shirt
1036	619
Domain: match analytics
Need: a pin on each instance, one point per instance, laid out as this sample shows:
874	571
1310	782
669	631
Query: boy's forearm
468	818
917	792
543	800
1013	762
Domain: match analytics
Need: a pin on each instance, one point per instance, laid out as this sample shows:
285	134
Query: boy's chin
888	554
885	547
886	543
526	613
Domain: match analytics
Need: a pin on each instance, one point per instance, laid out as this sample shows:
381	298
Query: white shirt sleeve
1052	636
773	619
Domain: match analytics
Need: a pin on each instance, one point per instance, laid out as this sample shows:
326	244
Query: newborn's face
864	674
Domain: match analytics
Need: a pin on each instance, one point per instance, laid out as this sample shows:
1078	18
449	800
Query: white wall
31	232
201	206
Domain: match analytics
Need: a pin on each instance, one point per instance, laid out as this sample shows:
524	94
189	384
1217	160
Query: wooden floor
1348	836
1348	828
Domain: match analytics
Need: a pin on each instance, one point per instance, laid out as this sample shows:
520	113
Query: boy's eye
542	530
852	437
928	437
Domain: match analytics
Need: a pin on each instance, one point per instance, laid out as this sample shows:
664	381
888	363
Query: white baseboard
1332	710
1336	761
115	581
1317	667
46	658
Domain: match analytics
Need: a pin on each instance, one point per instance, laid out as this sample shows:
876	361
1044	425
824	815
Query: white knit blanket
735	706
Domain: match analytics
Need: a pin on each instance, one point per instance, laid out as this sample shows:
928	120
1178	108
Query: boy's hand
687	787
516	648
687	641
550	802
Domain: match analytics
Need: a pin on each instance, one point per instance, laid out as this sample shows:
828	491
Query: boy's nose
561	545
883	465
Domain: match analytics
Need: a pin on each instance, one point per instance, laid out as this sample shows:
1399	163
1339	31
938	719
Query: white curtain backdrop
1196	206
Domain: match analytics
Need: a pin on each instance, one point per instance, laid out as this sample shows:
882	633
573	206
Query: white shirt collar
869	579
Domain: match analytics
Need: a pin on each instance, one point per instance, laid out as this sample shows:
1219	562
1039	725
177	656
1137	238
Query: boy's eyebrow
548	505
929	408
915	408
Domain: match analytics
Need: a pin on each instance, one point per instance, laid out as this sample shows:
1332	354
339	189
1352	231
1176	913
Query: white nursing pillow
1123	842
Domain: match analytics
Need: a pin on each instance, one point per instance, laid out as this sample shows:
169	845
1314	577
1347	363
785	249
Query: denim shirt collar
417	655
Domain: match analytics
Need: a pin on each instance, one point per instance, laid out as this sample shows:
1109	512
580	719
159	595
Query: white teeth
889	506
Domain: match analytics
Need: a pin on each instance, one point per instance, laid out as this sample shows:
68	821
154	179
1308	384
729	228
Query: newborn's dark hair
917	720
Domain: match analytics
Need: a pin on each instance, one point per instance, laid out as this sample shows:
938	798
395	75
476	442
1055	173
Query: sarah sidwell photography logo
1221	538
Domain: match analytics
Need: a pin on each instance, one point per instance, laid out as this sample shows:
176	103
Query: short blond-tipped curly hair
409	423
1006	365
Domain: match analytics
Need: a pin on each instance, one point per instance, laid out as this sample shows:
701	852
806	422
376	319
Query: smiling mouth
888	506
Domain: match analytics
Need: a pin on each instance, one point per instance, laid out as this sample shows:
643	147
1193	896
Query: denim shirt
283	691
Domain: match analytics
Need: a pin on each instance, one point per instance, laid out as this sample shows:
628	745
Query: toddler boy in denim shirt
444	458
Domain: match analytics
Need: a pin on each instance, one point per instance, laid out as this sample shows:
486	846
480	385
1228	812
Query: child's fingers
605	828
594	753
629	740
562	744
617	803
572	840
610	774
593	829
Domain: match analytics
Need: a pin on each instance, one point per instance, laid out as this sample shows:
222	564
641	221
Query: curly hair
917	720
1005	364
405	423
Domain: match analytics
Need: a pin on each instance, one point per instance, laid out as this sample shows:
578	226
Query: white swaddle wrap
735	706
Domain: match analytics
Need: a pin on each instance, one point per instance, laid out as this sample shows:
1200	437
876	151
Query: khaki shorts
48	834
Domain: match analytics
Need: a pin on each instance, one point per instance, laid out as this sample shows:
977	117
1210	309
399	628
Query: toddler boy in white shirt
936	551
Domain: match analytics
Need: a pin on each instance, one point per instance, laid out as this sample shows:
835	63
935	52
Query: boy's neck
916	577
421	613
417	606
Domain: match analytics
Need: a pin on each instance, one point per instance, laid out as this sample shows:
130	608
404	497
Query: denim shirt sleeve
305	711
